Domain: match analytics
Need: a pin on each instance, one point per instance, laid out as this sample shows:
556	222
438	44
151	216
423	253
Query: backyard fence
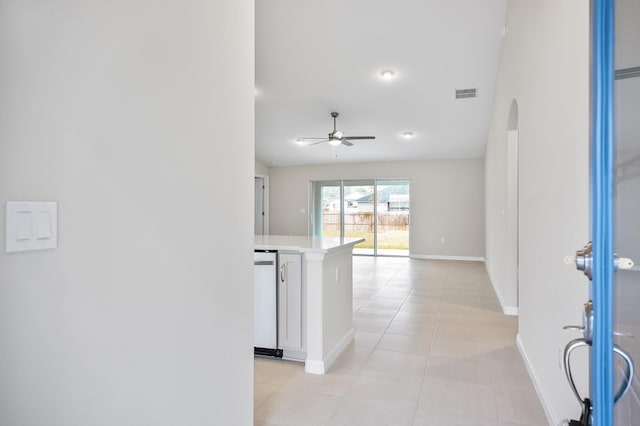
387	221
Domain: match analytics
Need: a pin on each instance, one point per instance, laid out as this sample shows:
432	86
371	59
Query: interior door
626	117
615	210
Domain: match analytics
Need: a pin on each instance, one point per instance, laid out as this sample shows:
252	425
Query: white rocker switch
31	225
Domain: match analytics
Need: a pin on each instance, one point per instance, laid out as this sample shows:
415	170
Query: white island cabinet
290	319
315	297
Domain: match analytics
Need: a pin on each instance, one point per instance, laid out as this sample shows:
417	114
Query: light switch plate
31	225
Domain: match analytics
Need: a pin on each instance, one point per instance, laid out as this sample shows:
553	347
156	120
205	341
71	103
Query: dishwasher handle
263	262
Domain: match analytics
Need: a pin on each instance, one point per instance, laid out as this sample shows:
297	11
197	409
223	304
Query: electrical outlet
442	240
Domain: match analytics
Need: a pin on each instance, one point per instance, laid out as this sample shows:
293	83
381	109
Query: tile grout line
410	281
426	368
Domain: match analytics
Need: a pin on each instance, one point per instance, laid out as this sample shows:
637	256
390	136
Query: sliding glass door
326	217
392	227
376	210
358	214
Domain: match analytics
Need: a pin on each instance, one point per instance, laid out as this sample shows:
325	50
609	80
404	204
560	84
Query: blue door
615	209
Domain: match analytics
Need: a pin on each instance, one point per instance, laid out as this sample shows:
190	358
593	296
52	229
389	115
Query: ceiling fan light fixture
407	135
387	74
335	137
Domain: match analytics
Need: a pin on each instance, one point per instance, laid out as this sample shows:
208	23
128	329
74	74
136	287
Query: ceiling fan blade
335	137
357	137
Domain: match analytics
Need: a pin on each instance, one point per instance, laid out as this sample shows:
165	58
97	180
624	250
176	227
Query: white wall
122	112
447	200
544	65
261	168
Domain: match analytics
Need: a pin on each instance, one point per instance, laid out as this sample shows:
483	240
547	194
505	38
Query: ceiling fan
335	138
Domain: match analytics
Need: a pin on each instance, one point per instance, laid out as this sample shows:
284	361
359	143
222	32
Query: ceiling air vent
466	93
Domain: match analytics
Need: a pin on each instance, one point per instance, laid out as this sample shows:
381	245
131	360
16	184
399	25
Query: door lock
623	262
584	260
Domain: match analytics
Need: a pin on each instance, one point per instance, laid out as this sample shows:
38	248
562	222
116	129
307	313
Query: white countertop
302	244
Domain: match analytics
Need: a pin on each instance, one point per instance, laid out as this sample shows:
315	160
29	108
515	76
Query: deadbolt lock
584	260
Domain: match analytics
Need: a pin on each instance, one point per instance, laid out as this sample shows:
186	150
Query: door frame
602	190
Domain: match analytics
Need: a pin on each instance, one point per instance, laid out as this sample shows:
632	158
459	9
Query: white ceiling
318	56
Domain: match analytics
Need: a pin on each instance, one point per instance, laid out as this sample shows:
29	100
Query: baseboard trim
314	366
510	310
338	349
438	257
321	367
498	292
507	310
546	405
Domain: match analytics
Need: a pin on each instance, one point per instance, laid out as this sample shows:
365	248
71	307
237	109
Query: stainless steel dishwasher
265	304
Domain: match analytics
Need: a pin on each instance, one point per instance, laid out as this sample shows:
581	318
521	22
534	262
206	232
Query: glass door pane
627	199
327	213
359	209
392	228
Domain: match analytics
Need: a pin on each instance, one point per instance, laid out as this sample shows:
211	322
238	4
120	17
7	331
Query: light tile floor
431	347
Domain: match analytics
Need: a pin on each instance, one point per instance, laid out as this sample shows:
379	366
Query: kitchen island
325	297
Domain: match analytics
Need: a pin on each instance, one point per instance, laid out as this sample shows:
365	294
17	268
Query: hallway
431	347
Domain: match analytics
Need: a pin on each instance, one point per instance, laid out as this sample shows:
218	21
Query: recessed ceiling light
387	74
407	135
